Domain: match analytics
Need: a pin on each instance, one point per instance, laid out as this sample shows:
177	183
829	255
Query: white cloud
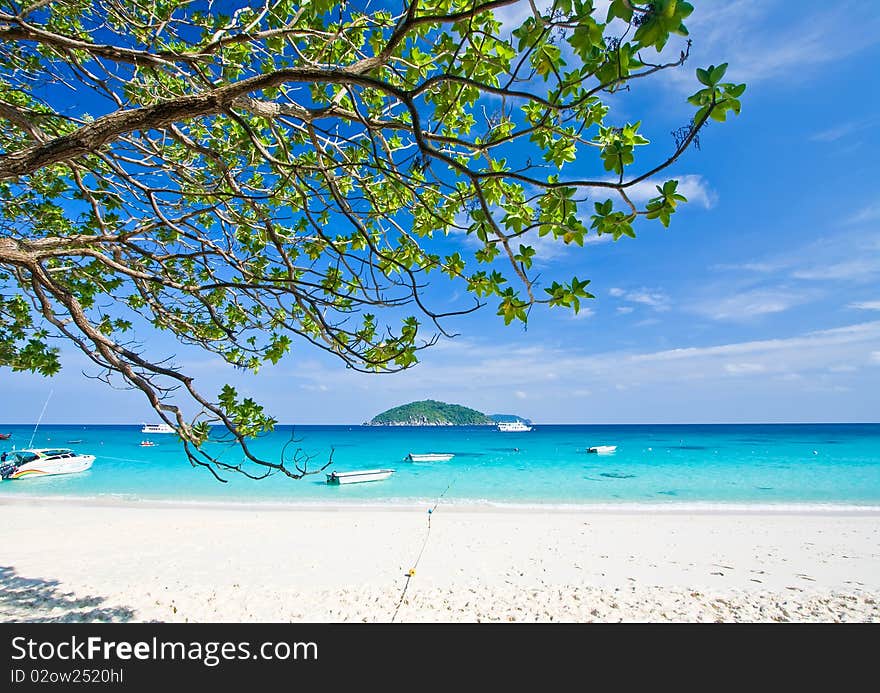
646	297
624	310
744	368
582	314
758	267
842	368
789	377
693	187
841	130
832	258
654	299
869	213
476	375
761	46
750	304
865	305
861	333
855	269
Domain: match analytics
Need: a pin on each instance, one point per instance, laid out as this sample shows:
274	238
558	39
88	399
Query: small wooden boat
359	476
5	436
602	449
430	457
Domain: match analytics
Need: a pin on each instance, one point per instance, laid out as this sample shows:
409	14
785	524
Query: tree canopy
248	175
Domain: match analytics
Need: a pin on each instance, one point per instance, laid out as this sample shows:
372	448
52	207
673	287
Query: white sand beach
65	560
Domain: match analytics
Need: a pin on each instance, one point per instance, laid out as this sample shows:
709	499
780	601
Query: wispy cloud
865	305
836	257
868	213
646	297
744	368
482	377
743	306
852	270
759	46
841	130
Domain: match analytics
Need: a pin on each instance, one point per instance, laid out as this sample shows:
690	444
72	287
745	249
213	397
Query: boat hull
157	429
435	457
603	449
514	427
38	468
360	477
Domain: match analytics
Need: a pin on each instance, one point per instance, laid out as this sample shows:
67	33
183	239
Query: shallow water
716	464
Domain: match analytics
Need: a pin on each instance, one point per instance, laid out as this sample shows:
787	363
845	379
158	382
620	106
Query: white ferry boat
513	427
157	428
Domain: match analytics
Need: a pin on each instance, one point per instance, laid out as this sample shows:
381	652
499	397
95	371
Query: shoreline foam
460	505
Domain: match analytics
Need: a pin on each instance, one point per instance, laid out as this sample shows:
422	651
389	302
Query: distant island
430	412
508	418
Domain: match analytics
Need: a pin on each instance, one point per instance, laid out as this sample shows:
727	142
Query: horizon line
532	422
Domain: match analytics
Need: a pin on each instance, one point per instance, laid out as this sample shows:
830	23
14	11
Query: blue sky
760	303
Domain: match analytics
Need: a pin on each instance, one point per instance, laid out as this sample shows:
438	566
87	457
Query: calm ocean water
716	464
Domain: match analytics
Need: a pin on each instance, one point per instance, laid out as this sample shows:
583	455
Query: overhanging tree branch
288	177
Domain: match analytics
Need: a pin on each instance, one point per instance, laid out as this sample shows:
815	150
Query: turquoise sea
836	464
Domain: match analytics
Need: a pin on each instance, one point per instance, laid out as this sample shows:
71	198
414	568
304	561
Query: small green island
430	412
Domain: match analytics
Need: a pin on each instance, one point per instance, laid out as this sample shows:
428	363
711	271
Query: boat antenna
46	404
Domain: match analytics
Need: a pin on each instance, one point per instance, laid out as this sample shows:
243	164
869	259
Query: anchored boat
513	427
430	457
359	476
25	464
157	428
602	449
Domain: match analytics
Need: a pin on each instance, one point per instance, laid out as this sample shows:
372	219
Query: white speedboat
358	476
25	464
513	427
157	428
430	457
602	449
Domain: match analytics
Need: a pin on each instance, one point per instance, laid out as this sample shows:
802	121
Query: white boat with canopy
27	464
